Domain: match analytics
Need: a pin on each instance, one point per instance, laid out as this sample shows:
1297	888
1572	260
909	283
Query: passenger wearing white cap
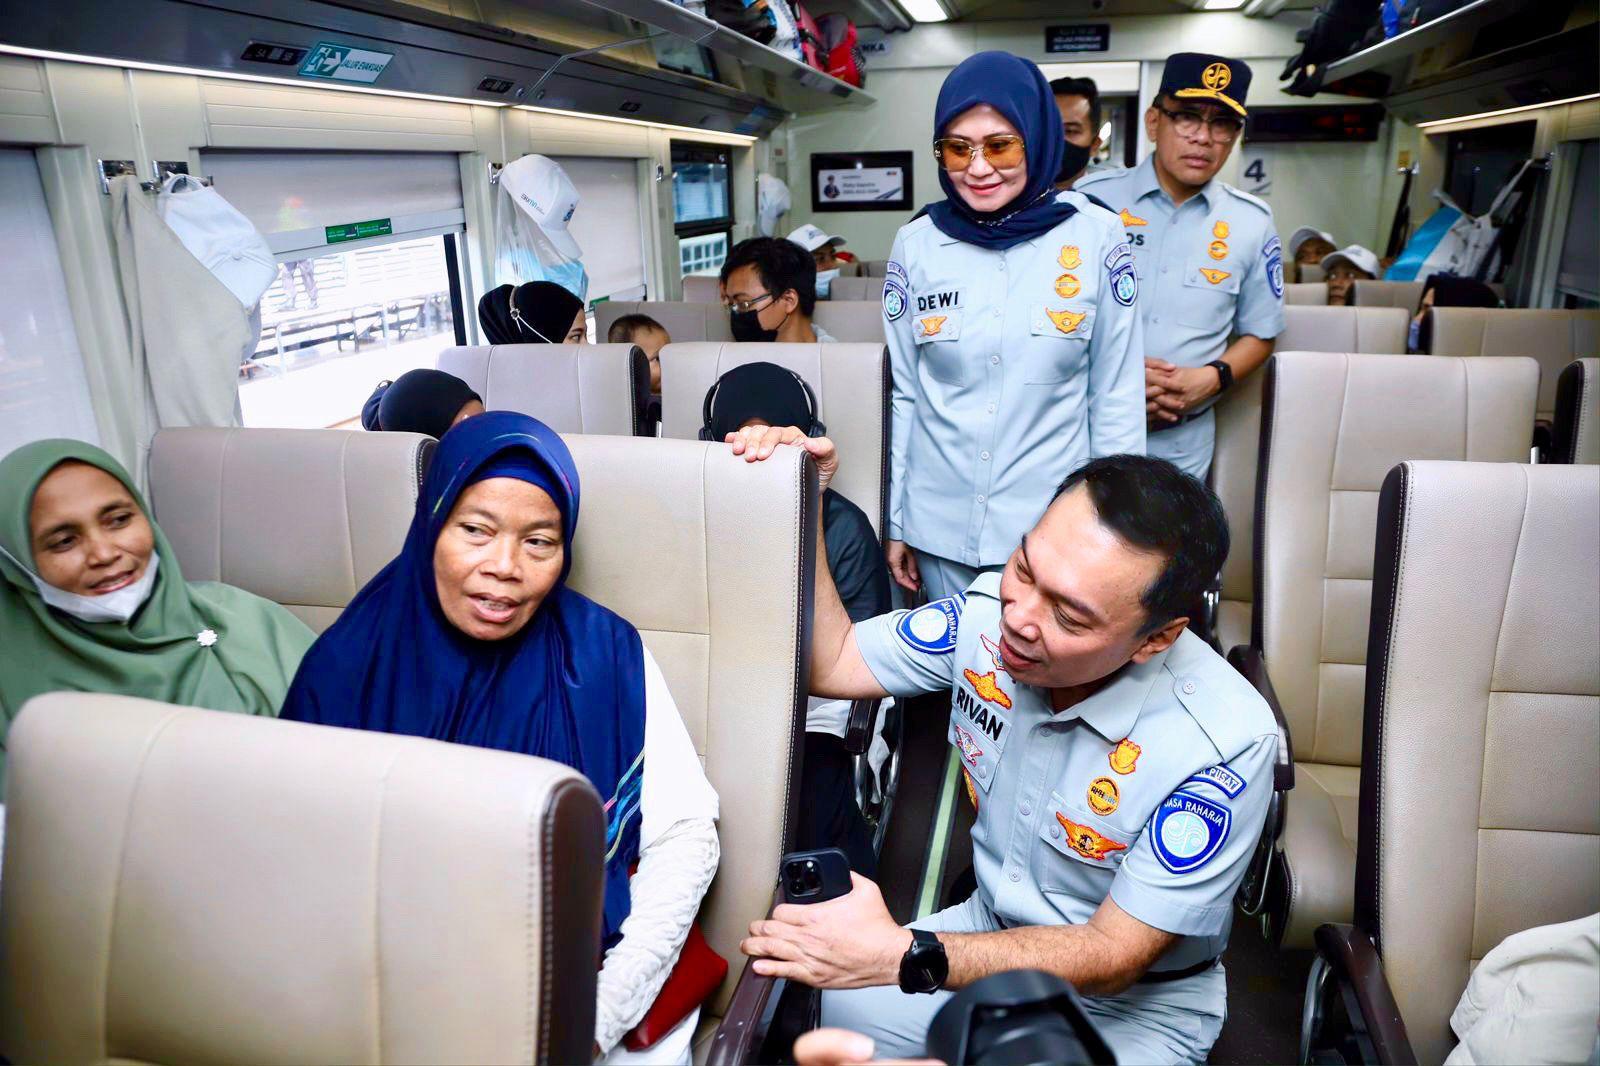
1343	268
545	201
1308	245
824	249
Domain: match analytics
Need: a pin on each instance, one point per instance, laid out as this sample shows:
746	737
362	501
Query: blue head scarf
1018	90
568	687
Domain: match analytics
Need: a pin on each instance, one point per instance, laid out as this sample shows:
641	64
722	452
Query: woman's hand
758	442
903	565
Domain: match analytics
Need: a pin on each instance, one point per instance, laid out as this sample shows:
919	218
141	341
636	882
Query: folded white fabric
219	236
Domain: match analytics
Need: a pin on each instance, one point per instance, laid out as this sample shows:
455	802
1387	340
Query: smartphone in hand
814	876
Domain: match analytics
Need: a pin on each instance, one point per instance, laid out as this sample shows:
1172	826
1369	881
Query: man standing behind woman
1013	333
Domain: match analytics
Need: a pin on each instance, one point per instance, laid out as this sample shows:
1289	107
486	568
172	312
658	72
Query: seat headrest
702	289
1367	330
1306	293
572	388
682	321
859	321
1553	337
856	289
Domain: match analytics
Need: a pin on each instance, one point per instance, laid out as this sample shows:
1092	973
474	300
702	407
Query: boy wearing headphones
765	394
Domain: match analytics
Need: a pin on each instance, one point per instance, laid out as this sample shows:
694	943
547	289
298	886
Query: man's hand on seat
758	442
849	942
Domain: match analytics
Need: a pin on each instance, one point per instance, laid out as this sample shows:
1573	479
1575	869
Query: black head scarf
419	401
1451	291
538	312
766	391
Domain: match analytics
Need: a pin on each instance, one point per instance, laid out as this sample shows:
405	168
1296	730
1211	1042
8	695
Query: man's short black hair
1154	506
624	329
1084	87
781	264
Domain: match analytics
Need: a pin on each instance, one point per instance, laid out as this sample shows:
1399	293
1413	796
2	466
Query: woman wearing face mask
1445	290
770	287
93	601
471	636
1009	309
536	312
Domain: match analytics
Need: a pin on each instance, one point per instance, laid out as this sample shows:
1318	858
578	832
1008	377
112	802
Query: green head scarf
158	654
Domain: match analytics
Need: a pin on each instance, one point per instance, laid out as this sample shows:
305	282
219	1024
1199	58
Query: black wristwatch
923	968
1225	372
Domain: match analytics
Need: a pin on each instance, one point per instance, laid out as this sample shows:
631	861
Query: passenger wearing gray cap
1307	246
1344	268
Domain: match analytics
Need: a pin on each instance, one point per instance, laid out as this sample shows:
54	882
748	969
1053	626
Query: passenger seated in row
1445	290
1308	246
770	286
758	395
536	312
471	636
420	401
1344	268
93	599
648	335
824	248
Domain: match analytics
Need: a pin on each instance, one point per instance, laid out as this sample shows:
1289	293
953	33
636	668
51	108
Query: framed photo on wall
861	181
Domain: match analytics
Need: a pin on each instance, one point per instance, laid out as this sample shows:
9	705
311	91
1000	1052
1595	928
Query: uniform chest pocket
937	335
1210	293
1072	833
1061	344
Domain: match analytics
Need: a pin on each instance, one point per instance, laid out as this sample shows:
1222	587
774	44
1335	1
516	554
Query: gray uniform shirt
1209	268
1153	791
1010	369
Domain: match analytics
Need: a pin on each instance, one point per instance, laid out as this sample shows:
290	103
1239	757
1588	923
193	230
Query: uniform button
1026	810
1155	318
1055	831
1163	270
991	408
994	359
983	499
983	771
997	312
1002	264
1016	875
984	456
1188	688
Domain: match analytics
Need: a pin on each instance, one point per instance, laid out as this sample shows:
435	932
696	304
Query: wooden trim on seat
572	886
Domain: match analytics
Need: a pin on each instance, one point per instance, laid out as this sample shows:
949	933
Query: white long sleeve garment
678	854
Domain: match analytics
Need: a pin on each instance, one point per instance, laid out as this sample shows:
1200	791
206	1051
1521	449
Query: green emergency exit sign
355	231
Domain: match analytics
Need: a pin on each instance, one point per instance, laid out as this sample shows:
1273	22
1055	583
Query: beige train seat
874	268
303	517
572	388
1553	338
682	321
702	289
1404	294
1480	790
850	382
1238	440
686	541
183	885
1306	294
862	288
851	321
1576	436
1311	272
1332	426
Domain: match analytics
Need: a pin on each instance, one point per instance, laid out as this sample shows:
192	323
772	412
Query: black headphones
815	428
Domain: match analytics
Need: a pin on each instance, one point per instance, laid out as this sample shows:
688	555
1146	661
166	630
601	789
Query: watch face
924	967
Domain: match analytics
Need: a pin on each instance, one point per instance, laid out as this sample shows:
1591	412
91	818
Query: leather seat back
682	321
1238	439
1554	338
1402	294
182	885
851	321
1311	272
572	388
1577	419
863	288
850	382
1306	294
702	289
303	517
1480	810
691	545
874	268
1332	427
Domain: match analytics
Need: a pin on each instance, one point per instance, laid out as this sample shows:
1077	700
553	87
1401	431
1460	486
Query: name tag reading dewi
934	301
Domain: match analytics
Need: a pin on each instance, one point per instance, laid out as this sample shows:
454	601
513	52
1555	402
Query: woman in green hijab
93	601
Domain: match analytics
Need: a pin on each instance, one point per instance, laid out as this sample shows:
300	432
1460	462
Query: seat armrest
1250	663
740	1034
861	725
1353	962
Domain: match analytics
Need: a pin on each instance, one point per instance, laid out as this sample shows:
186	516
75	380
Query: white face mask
119	606
825	282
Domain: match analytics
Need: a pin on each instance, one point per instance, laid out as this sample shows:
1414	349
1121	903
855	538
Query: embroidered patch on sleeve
931	628
1188	831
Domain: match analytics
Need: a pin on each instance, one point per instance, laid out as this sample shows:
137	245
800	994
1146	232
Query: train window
1578	278
1481	161
702	206
608	225
43	390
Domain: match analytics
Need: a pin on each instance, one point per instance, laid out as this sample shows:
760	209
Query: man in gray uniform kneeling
1120	768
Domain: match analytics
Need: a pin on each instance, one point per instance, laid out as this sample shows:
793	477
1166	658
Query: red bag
842	49
810	38
692	981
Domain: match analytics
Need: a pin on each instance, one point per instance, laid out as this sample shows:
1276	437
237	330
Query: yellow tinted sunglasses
1003	151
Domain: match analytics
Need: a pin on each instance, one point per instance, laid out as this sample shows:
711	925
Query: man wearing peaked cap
1211	252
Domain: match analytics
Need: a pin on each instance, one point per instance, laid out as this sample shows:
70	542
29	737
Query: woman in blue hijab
472	636
1016	346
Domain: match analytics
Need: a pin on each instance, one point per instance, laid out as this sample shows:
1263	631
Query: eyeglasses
743	306
1224	128
1003	151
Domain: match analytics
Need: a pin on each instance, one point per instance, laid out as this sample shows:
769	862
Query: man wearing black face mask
771	290
1078	100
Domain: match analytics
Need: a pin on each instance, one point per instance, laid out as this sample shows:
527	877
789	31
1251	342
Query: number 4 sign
1260	184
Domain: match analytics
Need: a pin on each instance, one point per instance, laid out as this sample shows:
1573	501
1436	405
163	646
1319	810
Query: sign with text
358	231
340	62
1089	37
861	181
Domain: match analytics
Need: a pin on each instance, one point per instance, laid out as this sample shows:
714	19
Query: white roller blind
292	197
43	391
608	225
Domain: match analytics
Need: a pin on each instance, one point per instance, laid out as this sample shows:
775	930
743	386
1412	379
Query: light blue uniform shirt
1208	268
1011	368
1153	791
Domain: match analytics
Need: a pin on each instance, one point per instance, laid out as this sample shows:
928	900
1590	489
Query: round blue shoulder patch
1188	831
931	628
1125	284
894	301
